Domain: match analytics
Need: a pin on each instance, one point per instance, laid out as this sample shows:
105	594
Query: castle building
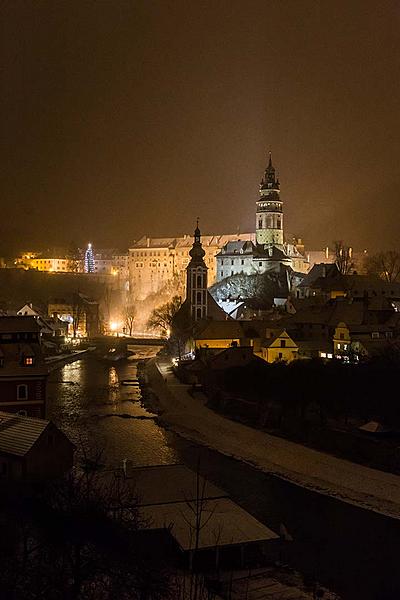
155	264
269	251
269	212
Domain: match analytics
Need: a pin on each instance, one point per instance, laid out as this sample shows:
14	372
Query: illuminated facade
51	265
270	251
269	212
157	264
196	282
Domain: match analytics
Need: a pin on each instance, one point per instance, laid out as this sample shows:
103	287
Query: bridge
122	342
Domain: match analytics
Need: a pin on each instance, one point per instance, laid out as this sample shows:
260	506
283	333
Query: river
351	550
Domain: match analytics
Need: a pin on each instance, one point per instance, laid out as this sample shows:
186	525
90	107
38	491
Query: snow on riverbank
323	473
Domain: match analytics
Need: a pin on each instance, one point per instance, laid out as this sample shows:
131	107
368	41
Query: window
322	354
198	313
280	354
222	273
242	261
375	335
283	343
199	297
260	264
199	281
341	335
222	261
22	392
28	361
232	262
260	223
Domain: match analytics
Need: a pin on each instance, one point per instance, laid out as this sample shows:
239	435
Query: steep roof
237	247
20	324
215	330
18	434
320	270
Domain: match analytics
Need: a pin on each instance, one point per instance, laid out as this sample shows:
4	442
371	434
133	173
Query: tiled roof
20	324
186	241
18	434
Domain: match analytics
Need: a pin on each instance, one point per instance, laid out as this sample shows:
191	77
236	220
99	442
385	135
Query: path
190	418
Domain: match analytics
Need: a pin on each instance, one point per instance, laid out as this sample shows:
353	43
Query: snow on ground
347	481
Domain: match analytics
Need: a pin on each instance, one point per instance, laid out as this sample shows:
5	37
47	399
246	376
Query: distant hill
18	286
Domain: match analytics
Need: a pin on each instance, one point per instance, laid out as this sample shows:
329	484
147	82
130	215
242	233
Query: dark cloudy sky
120	119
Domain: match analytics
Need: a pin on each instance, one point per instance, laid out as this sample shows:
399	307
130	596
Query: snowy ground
347	481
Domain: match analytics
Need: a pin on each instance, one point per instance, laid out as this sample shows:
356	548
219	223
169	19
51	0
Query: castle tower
196	279
269	216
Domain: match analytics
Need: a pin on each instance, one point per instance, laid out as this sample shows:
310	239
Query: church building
270	251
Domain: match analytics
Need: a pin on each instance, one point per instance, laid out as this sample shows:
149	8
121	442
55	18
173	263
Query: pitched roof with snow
18	434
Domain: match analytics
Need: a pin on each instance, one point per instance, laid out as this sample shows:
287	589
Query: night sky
120	119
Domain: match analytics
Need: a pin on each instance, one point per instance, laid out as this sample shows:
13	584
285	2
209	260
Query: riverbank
56	362
188	416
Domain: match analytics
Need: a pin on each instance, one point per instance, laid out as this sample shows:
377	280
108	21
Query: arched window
198	313
22	392
199	297
199	281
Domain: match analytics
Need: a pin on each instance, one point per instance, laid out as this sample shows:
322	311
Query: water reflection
113	385
86	399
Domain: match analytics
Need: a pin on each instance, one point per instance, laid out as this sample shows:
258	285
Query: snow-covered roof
224	523
18	434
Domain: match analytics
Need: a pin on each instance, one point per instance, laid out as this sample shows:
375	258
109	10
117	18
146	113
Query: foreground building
23	372
32	449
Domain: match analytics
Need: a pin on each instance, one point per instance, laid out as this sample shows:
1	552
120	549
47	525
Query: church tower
196	279
269	216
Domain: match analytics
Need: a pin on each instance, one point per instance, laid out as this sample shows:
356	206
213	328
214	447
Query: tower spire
196	279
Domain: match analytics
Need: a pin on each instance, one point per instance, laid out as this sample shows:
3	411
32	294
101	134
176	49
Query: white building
269	251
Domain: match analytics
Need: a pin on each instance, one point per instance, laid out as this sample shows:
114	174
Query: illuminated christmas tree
89	259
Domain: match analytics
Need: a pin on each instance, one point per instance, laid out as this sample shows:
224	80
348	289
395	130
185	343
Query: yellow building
51	265
341	340
219	335
279	346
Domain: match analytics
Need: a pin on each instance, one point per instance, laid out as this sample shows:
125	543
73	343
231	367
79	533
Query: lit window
330	356
338	346
28	361
322	354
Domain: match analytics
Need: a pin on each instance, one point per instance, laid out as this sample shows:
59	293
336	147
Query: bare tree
161	317
343	256
386	265
130	314
77	313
